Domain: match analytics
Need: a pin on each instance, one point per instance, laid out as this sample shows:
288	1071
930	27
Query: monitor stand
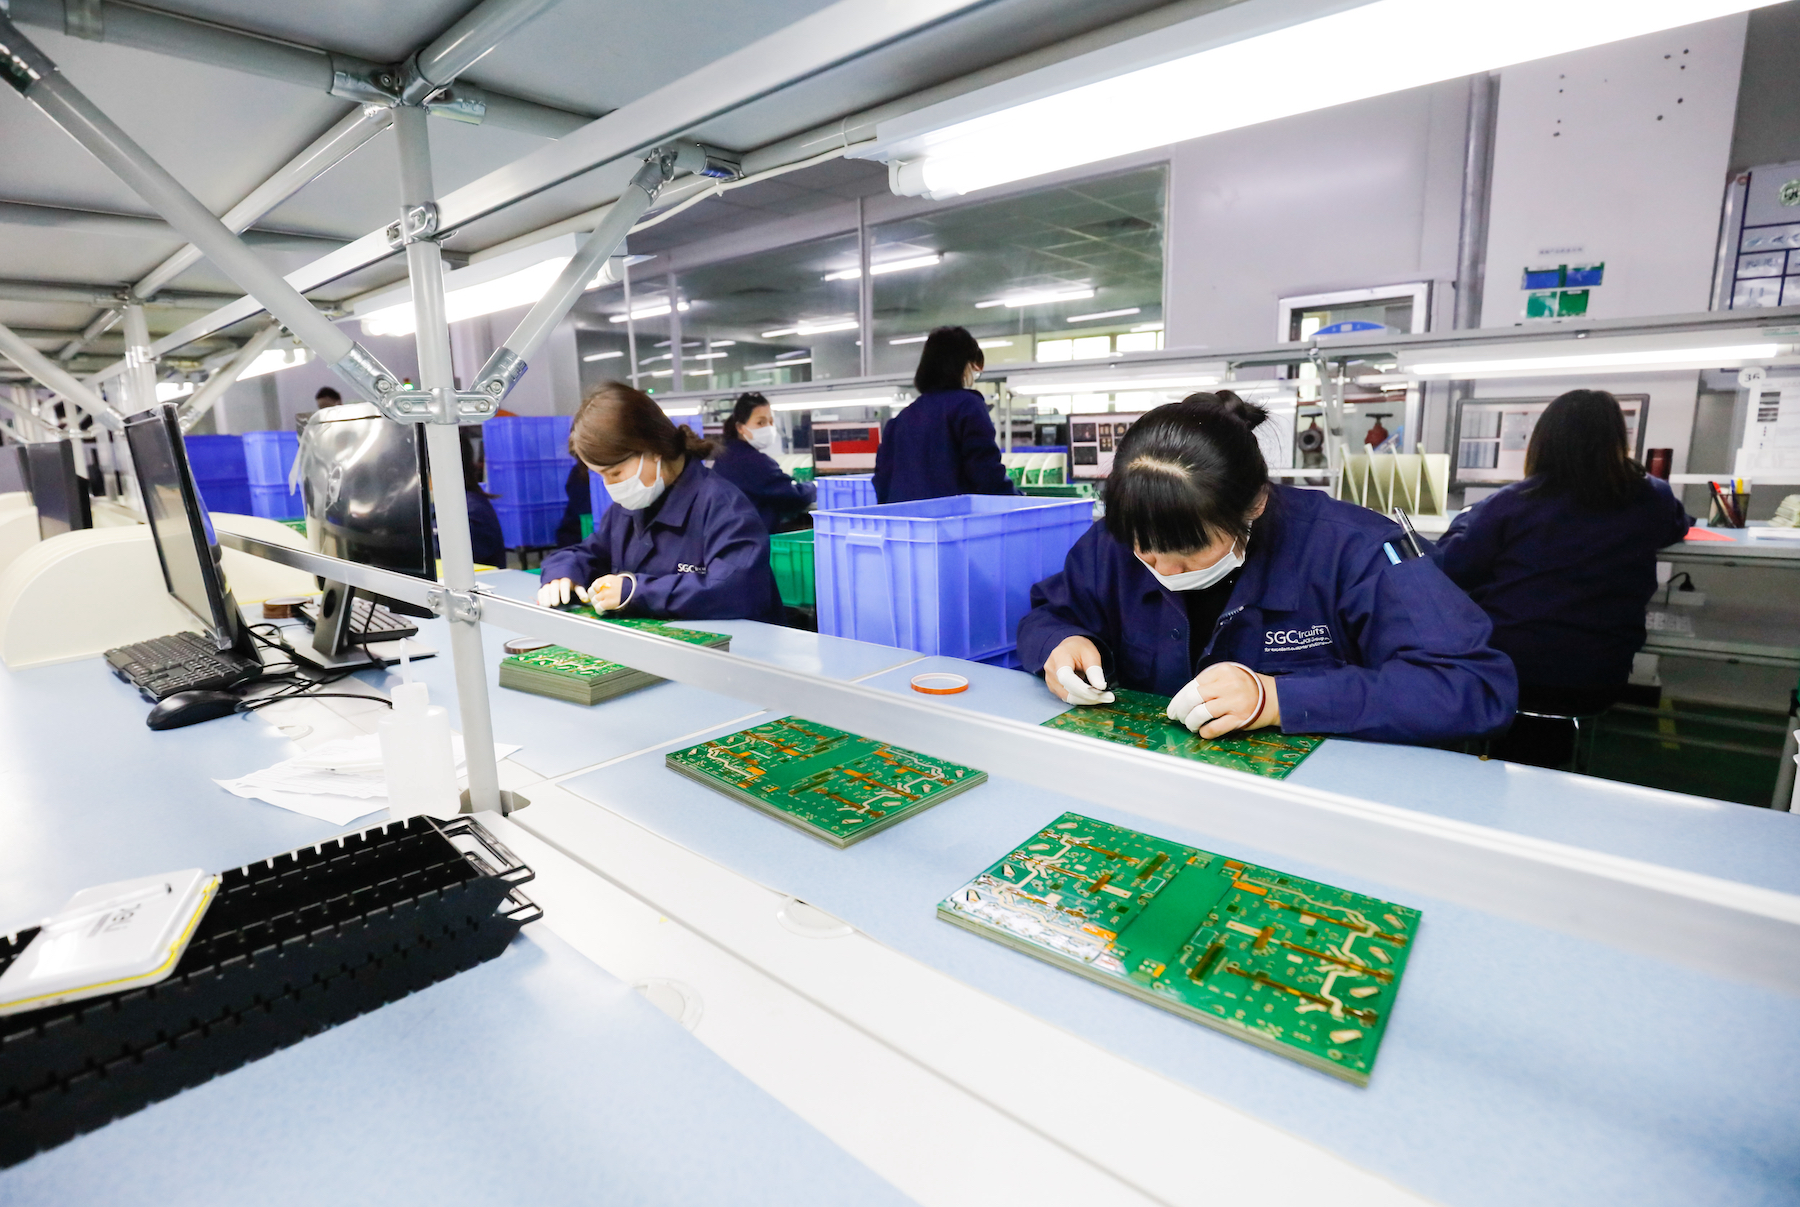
331	648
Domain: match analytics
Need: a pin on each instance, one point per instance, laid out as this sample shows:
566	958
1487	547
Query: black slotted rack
290	946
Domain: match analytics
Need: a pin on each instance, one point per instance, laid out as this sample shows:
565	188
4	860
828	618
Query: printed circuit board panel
564	674
1294	966
1141	719
833	785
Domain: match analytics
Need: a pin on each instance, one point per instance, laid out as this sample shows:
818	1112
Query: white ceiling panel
384	31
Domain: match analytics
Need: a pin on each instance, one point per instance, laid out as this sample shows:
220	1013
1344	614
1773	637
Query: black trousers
1541	743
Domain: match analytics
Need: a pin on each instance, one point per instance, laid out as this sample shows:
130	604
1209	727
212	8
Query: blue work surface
1521	1065
558	737
534	1078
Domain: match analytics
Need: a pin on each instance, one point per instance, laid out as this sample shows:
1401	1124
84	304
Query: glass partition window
1057	274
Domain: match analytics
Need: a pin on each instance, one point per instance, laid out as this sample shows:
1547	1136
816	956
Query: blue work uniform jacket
1362	646
699	553
776	497
1565	585
485	538
941	444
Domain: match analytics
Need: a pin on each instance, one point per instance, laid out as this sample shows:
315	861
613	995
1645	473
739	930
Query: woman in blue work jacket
747	461
943	442
679	542
1256	605
1563	563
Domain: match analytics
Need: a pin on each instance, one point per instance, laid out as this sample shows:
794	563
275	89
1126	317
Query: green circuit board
565	674
833	785
1291	965
1141	719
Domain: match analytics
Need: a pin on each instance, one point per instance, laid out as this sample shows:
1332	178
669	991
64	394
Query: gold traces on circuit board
1149	869
1345	961
1365	991
1260	978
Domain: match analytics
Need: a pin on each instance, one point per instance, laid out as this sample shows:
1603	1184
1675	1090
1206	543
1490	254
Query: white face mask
632	494
1199	580
765	439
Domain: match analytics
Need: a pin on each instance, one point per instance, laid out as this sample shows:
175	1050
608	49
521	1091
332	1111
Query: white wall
1361	195
1616	154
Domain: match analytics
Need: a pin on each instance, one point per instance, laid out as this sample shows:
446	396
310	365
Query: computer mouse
190	708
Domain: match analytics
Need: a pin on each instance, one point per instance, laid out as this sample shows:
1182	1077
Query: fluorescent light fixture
876	270
789	355
678	412
650	360
509	292
822	327
275	360
704	355
723	343
686	343
659	373
780	364
169	391
601	356
1042	298
815	404
1140	94
1034	387
648	312
993	343
1106	314
908	339
1658	358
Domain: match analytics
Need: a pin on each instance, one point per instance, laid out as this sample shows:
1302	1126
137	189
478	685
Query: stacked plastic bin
528	465
220	472
269	457
838	491
941	576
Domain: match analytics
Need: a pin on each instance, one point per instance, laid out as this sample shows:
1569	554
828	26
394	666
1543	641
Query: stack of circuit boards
563	674
1294	966
831	784
1140	719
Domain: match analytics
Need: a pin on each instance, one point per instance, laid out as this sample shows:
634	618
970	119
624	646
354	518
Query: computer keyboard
180	662
369	621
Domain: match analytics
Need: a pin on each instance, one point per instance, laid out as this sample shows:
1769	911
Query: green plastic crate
587	526
803	474
791	557
1068	490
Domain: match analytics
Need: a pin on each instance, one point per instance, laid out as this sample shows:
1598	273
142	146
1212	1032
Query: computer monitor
365	486
182	530
59	494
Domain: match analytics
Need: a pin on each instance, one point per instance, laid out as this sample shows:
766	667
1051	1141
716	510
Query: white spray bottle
415	751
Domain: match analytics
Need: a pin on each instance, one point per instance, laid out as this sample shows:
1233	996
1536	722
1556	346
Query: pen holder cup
1718	517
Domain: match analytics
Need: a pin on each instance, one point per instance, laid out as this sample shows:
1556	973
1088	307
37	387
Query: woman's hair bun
1246	413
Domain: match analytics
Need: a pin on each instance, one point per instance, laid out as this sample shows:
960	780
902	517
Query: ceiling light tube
822	327
647	312
876	270
1652	359
1042	298
993	343
908	339
1139	94
1106	314
779	364
590	359
275	360
1107	385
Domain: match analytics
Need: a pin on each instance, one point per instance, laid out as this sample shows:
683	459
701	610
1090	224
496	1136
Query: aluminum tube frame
140	362
203	400
443	445
1718	926
468	41
58	379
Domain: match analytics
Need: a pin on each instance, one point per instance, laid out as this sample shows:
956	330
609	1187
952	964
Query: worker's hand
1223	698
556	594
1073	673
608	594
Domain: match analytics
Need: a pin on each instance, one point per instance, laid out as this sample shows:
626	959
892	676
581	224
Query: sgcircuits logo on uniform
1280	641
685	568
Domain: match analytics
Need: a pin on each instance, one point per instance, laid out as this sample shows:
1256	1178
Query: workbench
1520	1066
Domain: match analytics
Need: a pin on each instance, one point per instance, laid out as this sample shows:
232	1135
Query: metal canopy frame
1718	926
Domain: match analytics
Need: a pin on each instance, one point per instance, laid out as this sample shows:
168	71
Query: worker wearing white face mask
1254	605
678	542
747	461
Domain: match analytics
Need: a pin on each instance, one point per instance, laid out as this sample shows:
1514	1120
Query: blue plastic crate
221	495
529	481
839	491
217	458
268	456
517	438
529	525
941	576
276	502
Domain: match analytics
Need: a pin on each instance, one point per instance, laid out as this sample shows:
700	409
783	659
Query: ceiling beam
100	295
133	226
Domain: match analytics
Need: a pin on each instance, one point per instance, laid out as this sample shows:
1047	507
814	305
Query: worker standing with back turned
1255	605
1564	563
943	442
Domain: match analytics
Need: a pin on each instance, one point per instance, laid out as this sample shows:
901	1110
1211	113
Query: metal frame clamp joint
420	222
463	606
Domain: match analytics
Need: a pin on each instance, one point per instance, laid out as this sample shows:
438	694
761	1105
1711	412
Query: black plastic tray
291	945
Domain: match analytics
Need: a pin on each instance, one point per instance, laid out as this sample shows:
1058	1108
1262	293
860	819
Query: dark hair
948	351
473	464
1578	449
616	422
328	392
746	406
1187	474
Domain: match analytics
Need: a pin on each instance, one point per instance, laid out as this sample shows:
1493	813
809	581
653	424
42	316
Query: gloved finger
583	594
1196	717
1218	727
562	591
1097	676
1185	701
1078	691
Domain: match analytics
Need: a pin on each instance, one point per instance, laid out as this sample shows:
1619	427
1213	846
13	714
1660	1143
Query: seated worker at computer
679	542
1257	605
